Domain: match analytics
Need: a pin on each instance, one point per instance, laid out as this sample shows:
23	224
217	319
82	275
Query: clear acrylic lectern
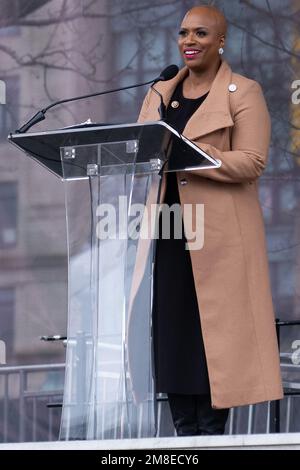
110	173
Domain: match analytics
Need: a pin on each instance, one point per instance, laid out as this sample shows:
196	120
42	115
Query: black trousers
193	415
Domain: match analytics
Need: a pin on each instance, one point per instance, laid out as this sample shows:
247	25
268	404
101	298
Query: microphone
168	73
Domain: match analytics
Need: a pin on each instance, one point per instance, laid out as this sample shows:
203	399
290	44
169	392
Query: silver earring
221	50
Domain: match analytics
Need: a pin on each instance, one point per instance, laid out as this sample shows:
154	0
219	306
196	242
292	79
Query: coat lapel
213	114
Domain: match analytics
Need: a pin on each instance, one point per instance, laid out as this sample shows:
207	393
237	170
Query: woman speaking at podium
213	323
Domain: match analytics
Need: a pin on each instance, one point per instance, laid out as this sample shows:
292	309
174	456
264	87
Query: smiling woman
213	323
208	33
201	41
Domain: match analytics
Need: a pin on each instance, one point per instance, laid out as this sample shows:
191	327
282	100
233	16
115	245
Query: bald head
213	14
201	38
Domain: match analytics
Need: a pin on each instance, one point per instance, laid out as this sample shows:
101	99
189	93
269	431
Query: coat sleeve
249	143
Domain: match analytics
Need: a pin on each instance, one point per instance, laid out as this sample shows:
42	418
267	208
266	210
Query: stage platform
288	441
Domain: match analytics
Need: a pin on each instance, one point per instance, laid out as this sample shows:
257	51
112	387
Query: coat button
183	181
232	87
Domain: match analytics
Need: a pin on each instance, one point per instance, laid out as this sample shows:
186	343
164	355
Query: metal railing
31	398
26	396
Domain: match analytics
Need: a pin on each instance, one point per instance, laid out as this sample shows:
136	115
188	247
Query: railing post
22	406
275	405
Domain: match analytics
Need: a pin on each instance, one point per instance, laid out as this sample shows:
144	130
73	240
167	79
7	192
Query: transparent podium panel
112	177
107	394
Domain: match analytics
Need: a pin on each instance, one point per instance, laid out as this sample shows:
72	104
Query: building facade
55	49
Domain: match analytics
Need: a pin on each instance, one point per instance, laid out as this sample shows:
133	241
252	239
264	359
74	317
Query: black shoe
211	421
184	414
186	430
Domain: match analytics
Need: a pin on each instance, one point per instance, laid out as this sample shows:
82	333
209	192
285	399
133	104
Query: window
8	214
144	43
8	111
140	56
9	31
266	200
7	314
12	11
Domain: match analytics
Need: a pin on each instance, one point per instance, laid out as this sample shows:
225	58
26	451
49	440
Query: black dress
179	356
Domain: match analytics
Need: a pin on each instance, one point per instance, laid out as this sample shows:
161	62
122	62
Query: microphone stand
40	115
167	74
162	106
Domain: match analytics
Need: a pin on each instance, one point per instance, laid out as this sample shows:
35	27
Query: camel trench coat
231	269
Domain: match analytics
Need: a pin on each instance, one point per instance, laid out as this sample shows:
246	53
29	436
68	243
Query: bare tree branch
67	17
264	41
292	17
